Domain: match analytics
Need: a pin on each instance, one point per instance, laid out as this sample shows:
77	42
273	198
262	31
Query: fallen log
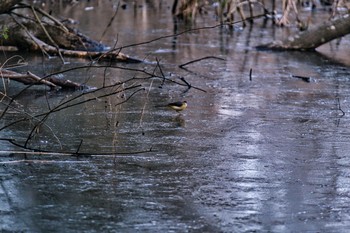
313	37
41	32
31	79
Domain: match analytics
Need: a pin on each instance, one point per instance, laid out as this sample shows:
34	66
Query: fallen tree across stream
313	37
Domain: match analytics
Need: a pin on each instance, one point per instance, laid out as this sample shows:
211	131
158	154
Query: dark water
266	153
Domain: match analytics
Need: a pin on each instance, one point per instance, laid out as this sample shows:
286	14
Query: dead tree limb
32	79
314	37
41	32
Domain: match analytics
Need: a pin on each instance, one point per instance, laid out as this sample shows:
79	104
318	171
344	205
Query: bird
177	106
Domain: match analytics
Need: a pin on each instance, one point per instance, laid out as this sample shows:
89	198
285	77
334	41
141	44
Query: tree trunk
313	38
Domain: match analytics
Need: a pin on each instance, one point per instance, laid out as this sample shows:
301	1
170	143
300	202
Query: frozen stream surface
266	153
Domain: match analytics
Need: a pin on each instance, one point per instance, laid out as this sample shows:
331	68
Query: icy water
266	152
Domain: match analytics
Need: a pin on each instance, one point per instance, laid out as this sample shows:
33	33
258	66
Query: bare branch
35	151
201	59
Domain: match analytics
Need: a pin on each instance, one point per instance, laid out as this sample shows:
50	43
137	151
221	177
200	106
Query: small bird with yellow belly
177	106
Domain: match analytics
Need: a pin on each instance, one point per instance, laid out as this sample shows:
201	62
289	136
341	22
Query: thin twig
21	62
81	143
150	75
36	151
44	13
30	35
39	161
188	85
47	34
339	108
144	106
105	70
304	78
65	104
184	32
200	59
110	22
161	72
60	107
30	117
